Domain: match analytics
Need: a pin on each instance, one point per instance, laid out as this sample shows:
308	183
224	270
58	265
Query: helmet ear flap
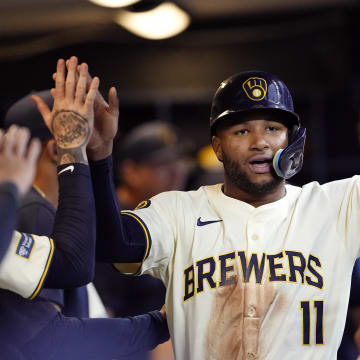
293	133
288	162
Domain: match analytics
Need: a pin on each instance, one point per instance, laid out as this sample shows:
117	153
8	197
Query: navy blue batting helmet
251	91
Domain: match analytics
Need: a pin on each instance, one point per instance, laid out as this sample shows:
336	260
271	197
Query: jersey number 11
306	317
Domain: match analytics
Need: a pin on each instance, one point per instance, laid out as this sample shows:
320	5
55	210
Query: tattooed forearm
71	132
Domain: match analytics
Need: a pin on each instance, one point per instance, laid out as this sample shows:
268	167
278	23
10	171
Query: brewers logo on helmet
255	88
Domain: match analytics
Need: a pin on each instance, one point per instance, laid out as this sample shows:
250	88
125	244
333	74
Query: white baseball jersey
270	282
25	265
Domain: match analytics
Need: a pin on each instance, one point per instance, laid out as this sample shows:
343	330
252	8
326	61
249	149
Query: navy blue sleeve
355	285
98	339
74	230
9	198
119	238
35	218
145	332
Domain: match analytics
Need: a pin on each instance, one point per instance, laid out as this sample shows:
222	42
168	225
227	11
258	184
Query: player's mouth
260	164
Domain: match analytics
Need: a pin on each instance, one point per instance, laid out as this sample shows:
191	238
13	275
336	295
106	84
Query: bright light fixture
114	3
164	21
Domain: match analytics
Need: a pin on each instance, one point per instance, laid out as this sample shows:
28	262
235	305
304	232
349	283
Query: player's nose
258	141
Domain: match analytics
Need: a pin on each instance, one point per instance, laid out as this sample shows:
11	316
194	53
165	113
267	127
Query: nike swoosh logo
70	167
202	223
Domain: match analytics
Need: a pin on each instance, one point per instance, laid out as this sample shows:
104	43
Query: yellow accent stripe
145	231
40	285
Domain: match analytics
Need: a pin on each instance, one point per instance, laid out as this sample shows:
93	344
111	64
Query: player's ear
216	144
51	150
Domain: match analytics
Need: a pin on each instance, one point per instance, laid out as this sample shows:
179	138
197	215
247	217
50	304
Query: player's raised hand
106	125
71	120
18	157
106	121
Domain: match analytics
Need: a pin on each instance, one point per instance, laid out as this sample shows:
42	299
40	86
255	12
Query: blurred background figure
206	171
149	160
36	212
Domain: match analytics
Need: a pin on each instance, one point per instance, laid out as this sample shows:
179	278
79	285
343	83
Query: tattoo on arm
71	131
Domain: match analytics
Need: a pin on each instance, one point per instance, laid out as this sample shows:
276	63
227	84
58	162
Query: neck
253	199
127	197
46	182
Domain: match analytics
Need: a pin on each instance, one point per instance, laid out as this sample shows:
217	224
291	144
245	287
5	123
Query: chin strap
288	162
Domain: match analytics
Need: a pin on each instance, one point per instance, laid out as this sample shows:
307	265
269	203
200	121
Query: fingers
43	108
60	79
33	150
2	134
89	102
52	92
9	140
81	85
70	85
163	310
15	141
113	101
21	141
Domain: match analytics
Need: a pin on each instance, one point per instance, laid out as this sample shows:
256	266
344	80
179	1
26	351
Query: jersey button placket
254	235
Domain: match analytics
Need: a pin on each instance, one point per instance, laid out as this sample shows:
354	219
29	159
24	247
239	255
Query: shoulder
35	214
33	200
332	193
337	187
194	198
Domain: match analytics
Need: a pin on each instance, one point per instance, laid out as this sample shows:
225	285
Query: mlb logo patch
25	246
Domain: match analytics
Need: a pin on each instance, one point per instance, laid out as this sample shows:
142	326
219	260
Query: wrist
72	155
100	152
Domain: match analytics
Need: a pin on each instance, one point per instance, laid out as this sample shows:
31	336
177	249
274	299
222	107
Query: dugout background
314	48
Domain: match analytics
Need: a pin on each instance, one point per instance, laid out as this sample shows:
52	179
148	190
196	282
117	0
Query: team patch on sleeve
25	246
144	204
26	263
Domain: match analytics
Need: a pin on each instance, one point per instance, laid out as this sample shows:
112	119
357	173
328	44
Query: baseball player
255	268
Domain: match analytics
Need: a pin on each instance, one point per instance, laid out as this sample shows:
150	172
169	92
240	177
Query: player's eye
241	132
272	128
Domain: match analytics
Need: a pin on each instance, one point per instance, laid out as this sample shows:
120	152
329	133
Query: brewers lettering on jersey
255	268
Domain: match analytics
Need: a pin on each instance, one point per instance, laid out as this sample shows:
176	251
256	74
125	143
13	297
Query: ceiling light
164	21
114	3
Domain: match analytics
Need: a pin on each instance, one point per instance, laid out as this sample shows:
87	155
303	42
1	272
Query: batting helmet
253	91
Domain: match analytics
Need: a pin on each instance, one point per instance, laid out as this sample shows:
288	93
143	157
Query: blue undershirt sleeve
9	198
119	238
74	230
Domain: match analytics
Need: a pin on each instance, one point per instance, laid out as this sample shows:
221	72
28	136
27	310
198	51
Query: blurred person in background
149	160
207	169
37	209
